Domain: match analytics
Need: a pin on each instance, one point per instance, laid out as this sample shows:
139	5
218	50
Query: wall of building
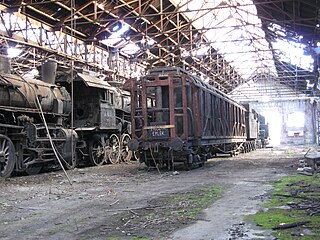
286	110
282	105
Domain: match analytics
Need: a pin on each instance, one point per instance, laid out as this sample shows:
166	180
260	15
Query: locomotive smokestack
49	71
5	64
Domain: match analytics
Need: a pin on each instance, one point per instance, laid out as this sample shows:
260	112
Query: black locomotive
36	129
33	116
101	118
177	118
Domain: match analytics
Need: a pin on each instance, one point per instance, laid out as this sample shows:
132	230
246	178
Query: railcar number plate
158	133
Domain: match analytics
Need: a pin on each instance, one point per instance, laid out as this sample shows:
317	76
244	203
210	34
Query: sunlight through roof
117	35
234	30
290	49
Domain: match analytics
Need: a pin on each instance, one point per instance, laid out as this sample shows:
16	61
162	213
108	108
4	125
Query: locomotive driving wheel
97	150
126	153
114	149
7	156
29	156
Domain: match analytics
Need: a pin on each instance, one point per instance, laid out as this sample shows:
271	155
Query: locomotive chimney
5	64
49	71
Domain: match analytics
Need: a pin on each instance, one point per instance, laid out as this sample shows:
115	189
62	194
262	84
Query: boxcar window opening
228	125
236	120
190	109
189	96
239	120
233	119
217	116
208	112
177	97
158	105
223	117
242	118
151	95
137	99
203	111
212	107
190	122
179	125
178	110
150	102
165	104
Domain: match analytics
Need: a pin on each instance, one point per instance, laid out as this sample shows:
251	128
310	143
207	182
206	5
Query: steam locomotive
36	128
33	116
178	119
101	118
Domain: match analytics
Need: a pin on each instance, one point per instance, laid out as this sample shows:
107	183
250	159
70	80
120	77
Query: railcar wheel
126	153
188	163
114	149
7	156
97	150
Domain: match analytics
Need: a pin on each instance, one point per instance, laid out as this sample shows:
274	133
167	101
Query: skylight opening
294	53
130	49
227	23
13	52
290	49
201	51
116	38
119	30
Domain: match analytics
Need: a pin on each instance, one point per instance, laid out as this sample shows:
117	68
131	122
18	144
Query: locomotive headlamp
176	144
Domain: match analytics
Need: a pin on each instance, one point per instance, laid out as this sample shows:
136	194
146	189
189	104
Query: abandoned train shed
261	52
178	85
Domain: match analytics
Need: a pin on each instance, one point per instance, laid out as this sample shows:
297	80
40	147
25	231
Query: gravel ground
107	201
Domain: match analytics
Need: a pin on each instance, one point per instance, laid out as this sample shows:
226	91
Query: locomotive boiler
177	118
33	114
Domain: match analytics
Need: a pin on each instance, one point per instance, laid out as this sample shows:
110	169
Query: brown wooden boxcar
177	118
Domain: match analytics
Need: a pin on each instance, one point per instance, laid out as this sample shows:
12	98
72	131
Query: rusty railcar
33	115
177	118
252	128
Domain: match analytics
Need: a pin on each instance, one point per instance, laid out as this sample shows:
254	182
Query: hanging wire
73	27
154	161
